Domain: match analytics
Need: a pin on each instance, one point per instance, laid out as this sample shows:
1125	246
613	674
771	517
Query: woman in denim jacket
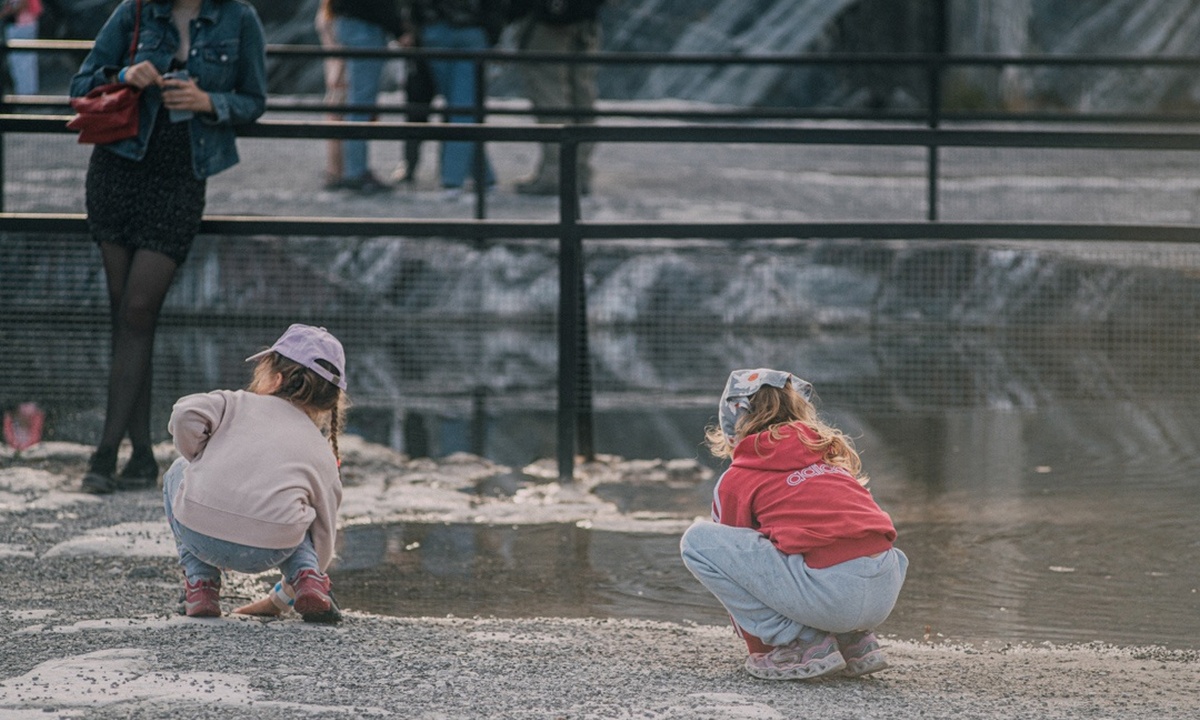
201	65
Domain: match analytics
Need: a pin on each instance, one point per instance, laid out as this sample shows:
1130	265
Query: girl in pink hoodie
799	553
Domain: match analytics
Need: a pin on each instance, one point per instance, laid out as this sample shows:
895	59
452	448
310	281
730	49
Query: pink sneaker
798	660
312	594
862	653
202	598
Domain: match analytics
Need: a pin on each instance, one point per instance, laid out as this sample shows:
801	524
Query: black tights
138	281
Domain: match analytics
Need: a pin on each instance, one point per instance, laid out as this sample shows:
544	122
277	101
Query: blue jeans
23	65
362	84
455	80
203	556
776	597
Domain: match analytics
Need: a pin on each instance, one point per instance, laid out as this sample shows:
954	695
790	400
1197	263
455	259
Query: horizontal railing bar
289	105
924	137
307	226
521	229
886	230
298	104
285	105
705	133
655	58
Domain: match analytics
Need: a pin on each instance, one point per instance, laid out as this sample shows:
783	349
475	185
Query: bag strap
137	27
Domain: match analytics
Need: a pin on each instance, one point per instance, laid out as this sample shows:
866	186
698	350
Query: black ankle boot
140	472
101	468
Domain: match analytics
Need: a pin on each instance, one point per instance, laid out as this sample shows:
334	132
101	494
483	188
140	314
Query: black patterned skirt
152	204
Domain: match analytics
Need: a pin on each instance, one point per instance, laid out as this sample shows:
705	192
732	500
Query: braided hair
320	399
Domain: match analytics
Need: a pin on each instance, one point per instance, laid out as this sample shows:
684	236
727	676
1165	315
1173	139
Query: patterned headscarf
735	401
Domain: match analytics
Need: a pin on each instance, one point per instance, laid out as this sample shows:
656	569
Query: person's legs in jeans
194	568
362	81
455	80
23	65
304	557
203	557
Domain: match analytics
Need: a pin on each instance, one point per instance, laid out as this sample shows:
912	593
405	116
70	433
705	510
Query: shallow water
1021	526
1045	488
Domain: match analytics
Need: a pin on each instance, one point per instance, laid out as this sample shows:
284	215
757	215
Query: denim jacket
227	60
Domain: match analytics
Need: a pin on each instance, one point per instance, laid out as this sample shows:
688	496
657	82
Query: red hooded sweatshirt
803	506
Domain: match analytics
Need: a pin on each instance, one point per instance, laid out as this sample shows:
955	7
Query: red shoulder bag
109	112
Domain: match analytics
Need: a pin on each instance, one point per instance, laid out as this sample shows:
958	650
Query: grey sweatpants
774	596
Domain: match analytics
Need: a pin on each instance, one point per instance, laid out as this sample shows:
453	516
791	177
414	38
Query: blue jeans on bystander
23	65
455	80
362	85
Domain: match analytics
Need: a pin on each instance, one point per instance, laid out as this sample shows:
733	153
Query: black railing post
941	15
568	171
3	141
480	157
571	312
478	433
584	430
3	108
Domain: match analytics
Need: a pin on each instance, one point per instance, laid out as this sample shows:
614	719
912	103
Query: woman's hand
185	95
142	75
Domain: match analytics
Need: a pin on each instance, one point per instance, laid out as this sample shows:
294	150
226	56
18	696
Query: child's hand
260	608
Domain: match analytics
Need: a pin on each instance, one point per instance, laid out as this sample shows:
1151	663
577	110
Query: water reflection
1045	486
1072	523
1022	526
508	571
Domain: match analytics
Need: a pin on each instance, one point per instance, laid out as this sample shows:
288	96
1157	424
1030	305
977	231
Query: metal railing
574	415
571	231
932	65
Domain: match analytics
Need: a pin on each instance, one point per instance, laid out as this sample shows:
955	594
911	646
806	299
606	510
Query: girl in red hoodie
799	554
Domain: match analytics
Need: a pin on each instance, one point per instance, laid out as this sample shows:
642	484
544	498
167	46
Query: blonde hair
321	400
772	409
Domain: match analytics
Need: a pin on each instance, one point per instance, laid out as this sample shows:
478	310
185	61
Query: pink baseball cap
306	345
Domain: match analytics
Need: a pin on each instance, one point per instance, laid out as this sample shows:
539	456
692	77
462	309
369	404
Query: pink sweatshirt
803	506
260	473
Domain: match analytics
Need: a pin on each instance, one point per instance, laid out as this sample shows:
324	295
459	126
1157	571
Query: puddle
1045	488
967	583
414	569
1020	527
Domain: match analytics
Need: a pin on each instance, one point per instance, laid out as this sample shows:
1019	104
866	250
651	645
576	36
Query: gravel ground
98	636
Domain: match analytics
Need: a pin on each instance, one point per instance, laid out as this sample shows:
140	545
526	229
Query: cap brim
258	355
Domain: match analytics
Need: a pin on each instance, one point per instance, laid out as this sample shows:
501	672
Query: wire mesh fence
453	345
453	342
